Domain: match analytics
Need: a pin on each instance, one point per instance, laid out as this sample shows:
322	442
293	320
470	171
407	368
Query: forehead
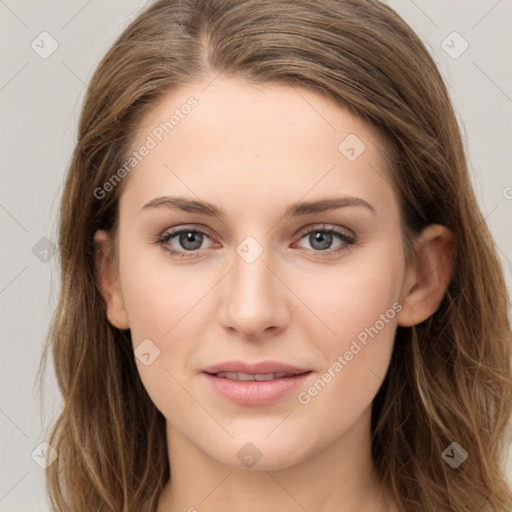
222	138
223	105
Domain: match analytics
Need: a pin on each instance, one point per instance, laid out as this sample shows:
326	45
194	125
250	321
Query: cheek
157	310
360	305
157	293
165	311
358	302
353	294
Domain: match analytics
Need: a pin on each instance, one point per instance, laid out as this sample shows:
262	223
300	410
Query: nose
254	301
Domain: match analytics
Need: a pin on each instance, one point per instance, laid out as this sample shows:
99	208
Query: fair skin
252	151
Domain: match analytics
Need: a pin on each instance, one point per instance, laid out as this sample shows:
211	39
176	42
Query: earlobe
428	278
108	281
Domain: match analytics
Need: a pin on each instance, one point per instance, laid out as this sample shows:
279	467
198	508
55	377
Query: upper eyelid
321	226
325	227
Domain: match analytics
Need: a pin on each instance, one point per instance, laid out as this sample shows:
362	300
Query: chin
261	455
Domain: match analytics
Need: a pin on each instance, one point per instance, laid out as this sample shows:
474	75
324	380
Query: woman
336	335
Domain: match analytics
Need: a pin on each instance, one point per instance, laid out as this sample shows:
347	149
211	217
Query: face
268	279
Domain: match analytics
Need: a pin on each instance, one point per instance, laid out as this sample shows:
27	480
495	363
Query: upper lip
260	368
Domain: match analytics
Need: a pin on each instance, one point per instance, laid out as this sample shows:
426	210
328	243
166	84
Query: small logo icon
351	147
44	45
454	45
146	352
249	249
249	455
454	455
44	455
44	250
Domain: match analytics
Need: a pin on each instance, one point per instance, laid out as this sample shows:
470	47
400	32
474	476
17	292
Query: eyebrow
295	209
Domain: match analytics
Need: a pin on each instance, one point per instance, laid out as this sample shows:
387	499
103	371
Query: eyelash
347	240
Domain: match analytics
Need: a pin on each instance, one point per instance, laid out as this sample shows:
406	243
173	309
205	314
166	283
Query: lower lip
254	392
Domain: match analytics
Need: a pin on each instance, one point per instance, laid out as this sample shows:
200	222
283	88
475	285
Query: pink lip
255	392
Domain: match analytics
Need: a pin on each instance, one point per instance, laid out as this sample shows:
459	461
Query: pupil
325	237
187	238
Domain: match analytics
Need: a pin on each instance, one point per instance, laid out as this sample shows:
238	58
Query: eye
321	239
188	240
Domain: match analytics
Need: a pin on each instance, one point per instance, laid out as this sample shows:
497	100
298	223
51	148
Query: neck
338	478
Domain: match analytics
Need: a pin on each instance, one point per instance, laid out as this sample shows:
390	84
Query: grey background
40	100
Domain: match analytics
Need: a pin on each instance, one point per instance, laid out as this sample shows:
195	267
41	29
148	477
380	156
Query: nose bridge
253	299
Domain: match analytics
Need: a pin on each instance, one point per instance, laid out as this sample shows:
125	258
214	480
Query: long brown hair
449	379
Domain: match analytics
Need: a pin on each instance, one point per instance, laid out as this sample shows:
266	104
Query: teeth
248	376
242	376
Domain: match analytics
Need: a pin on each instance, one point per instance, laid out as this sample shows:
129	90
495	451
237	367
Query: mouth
256	389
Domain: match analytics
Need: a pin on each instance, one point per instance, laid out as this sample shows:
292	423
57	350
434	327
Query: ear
428	277
108	281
